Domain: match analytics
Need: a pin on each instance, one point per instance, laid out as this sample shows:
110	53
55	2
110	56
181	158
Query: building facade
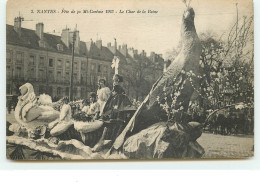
45	61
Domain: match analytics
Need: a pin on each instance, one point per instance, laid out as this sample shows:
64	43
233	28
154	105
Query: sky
150	32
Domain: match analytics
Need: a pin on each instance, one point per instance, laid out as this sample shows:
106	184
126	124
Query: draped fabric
21	152
103	95
115	105
19	148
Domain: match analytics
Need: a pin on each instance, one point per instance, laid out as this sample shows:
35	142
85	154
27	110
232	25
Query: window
67	91
67	76
67	64
93	79
74	92
50	62
8	89
32	60
41	63
41	74
18	72
75	65
32	73
19	57
50	76
92	67
59	47
59	63
82	78
9	55
75	77
42	89
82	65
58	75
99	68
105	69
58	91
8	72
42	44
82	92
50	91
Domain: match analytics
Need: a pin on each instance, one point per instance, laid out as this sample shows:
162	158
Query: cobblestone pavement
219	146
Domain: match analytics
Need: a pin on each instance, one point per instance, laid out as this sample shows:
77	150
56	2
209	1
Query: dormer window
59	47
42	44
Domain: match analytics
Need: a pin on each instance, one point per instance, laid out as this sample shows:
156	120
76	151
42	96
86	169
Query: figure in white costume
93	108
103	94
63	122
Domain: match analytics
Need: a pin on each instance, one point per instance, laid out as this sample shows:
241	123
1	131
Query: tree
139	73
226	69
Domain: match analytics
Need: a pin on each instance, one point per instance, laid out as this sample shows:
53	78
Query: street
219	146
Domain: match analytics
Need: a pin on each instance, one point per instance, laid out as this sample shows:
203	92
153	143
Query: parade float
42	131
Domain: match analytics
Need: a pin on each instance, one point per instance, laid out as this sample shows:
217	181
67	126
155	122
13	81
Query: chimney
152	56
143	53
65	36
115	46
99	44
18	25
131	52
40	30
124	50
89	44
112	48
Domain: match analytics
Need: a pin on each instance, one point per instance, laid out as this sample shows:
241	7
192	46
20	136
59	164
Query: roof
53	40
83	48
100	54
30	39
121	56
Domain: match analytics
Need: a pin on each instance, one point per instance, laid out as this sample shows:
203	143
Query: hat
93	95
119	77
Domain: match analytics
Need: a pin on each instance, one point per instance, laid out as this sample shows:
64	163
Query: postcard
102	80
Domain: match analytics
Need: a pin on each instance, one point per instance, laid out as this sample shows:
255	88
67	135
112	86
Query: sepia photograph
129	80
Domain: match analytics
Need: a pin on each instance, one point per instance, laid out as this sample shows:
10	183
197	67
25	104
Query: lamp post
72	66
